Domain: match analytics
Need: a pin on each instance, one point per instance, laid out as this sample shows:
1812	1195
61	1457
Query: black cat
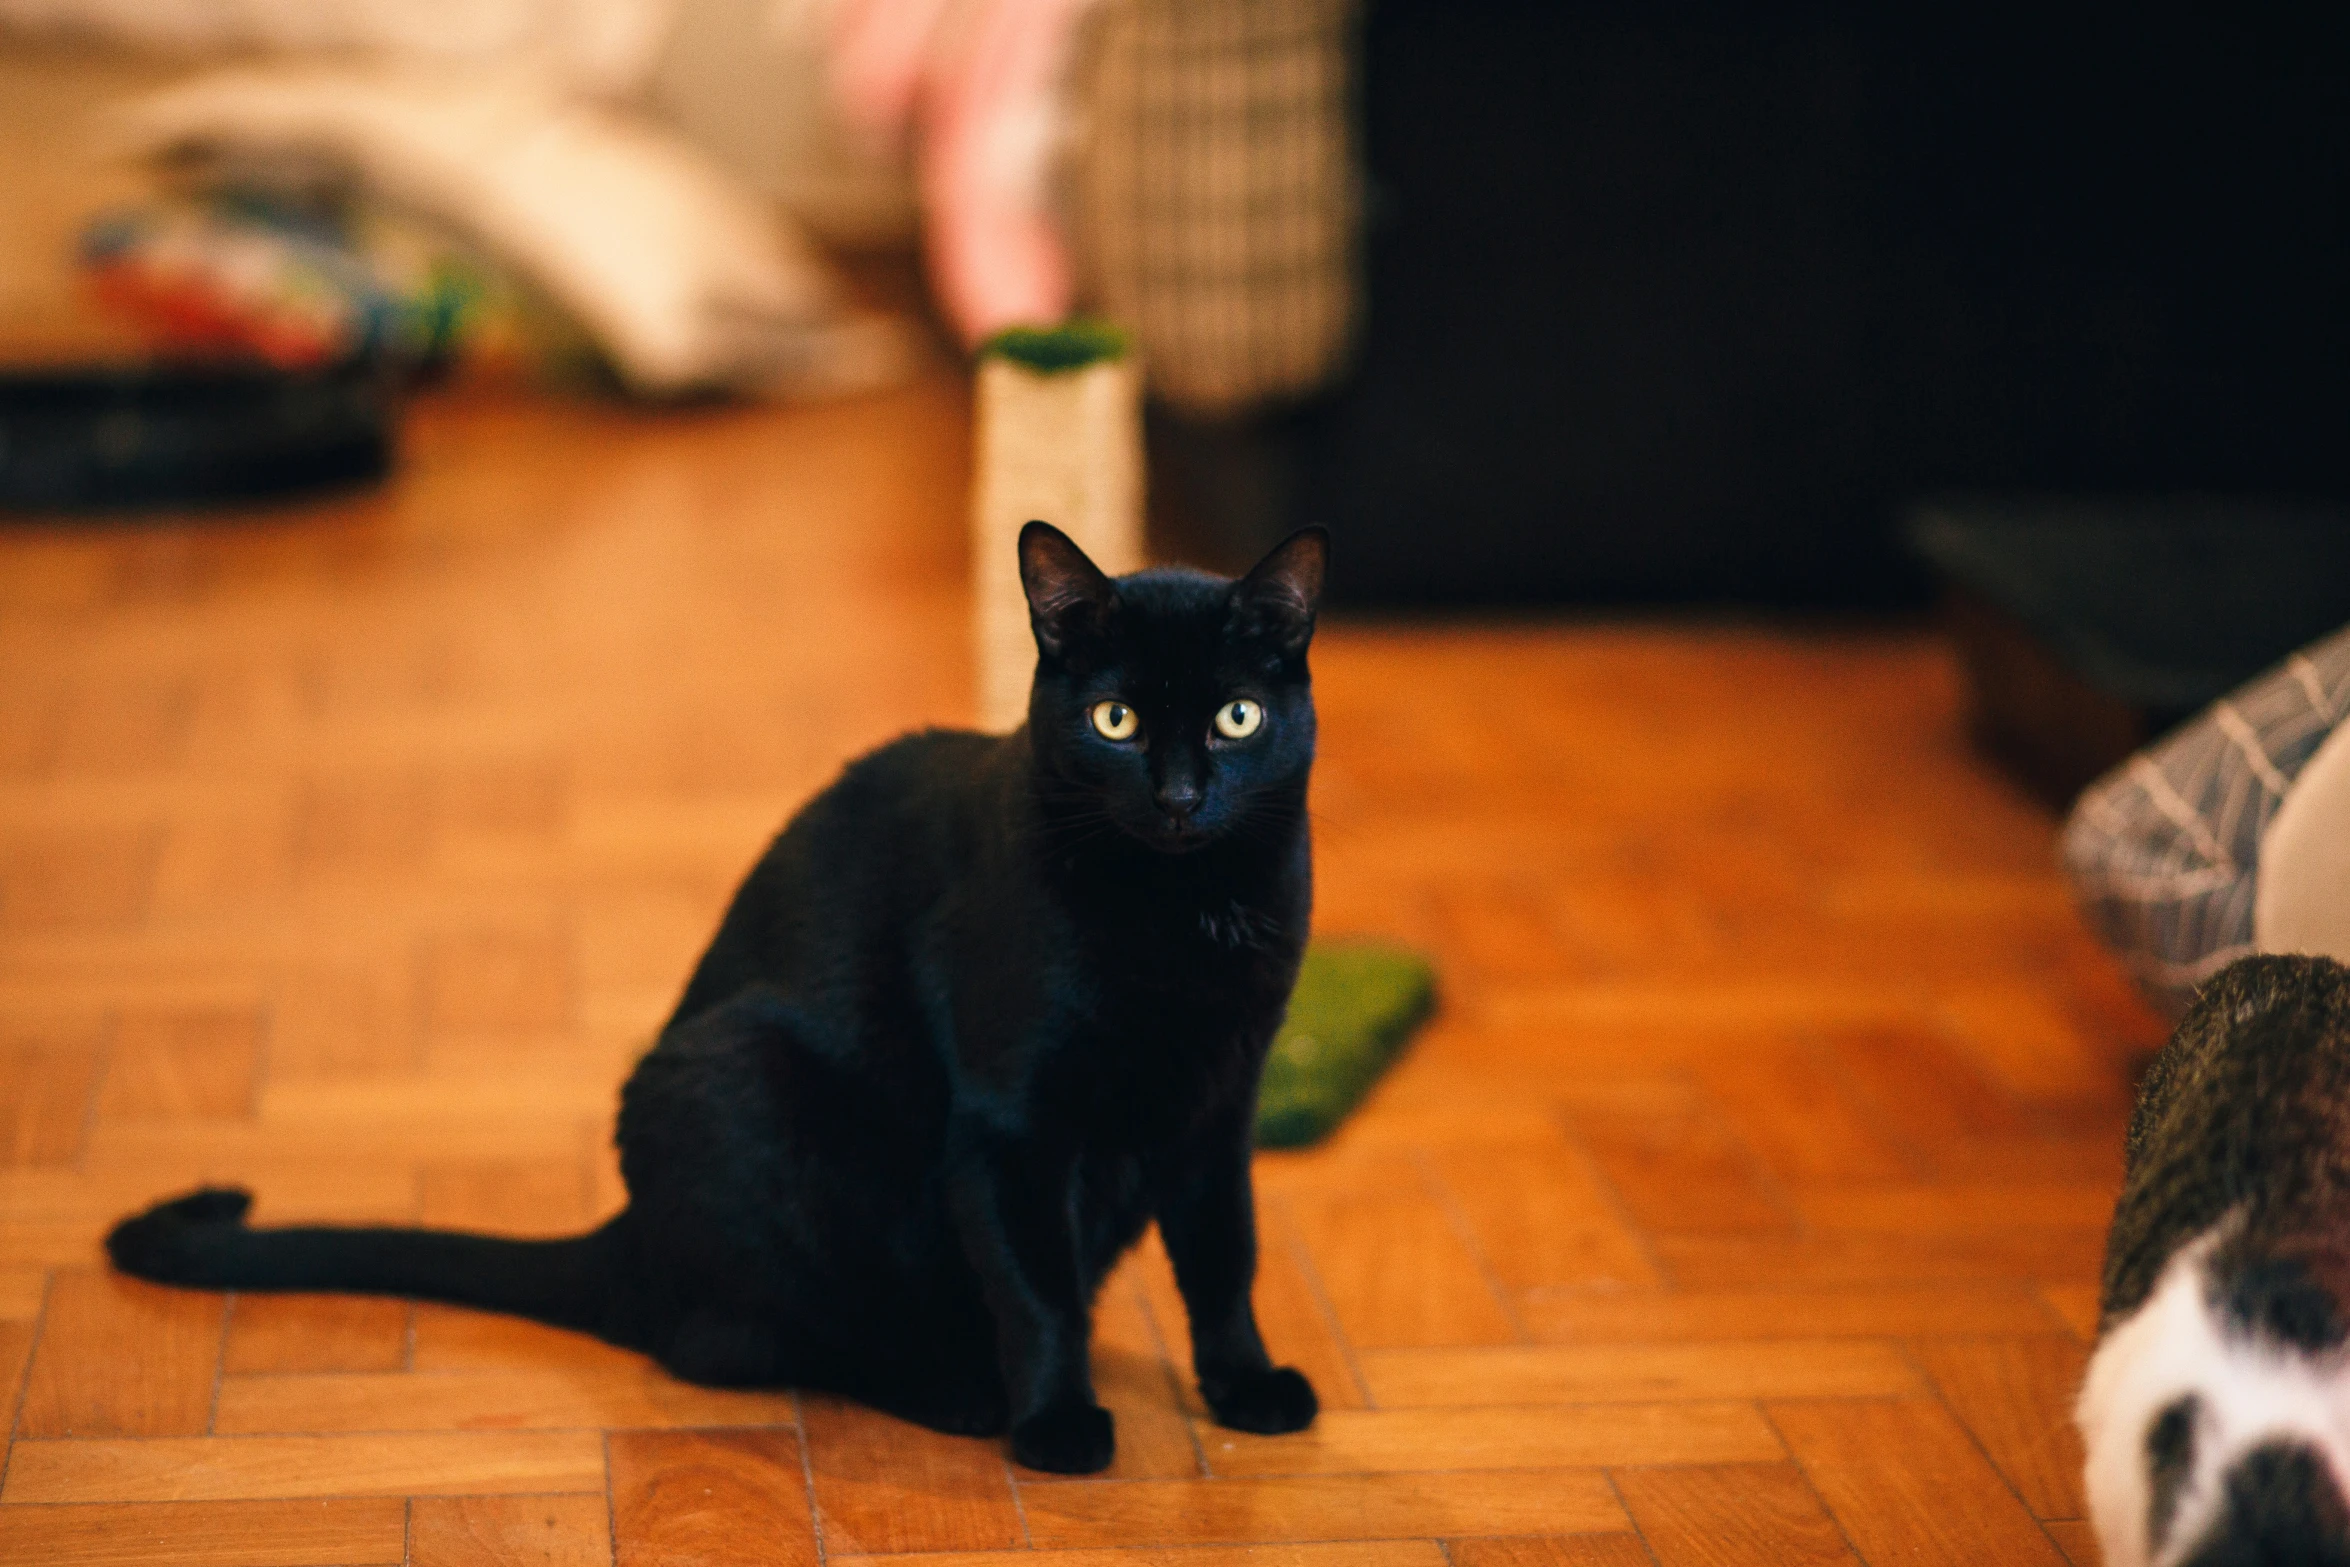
986	1008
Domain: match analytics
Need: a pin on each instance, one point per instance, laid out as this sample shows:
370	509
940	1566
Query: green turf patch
1070	346
1355	1005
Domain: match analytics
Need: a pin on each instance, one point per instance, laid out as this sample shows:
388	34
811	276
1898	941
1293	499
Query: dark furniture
2089	628
141	436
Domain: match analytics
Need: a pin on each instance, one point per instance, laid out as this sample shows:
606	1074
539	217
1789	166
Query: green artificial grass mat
1355	1005
1070	346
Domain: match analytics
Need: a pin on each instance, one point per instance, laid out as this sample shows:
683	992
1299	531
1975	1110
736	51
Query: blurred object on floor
165	436
2088	627
302	279
682	279
1057	436
2228	836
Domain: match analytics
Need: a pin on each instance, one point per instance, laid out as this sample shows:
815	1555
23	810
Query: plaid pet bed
1214	204
2164	851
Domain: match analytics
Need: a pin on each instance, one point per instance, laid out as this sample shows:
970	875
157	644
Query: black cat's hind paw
1067	1439
173	1241
1265	1402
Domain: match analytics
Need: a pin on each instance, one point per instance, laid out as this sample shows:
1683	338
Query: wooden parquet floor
1743	1204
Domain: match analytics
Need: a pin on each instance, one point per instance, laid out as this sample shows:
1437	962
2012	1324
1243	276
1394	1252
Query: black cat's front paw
1265	1402
1067	1439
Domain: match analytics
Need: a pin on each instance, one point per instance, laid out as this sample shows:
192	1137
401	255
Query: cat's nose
1177	798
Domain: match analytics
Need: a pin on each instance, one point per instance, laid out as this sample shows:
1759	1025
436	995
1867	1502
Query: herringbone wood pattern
1742	1205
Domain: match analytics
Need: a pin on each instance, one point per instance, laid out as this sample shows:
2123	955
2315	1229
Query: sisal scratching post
1059	438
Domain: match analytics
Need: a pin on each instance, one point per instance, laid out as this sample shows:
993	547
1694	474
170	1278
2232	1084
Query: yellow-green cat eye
1239	718
1115	721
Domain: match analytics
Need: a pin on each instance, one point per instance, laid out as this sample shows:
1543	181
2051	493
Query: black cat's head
1175	703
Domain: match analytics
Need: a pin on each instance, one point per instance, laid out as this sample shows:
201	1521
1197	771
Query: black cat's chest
1216	912
1197	963
1175	1034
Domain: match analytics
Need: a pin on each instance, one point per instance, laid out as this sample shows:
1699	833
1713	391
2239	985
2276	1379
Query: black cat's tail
201	1240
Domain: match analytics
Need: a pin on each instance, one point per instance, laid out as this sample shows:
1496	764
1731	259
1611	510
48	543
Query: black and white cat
2217	1406
988	1007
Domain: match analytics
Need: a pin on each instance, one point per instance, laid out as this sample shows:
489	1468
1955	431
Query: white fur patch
2250	1393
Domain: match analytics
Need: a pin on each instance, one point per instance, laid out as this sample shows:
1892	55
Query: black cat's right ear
1068	597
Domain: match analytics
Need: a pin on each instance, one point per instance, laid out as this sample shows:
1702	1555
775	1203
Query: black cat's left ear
1068	597
1278	598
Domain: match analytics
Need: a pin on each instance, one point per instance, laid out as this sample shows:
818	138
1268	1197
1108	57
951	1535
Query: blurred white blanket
2303	903
683	277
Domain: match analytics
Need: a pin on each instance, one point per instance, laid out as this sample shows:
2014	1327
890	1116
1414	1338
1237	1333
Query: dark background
1693	303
